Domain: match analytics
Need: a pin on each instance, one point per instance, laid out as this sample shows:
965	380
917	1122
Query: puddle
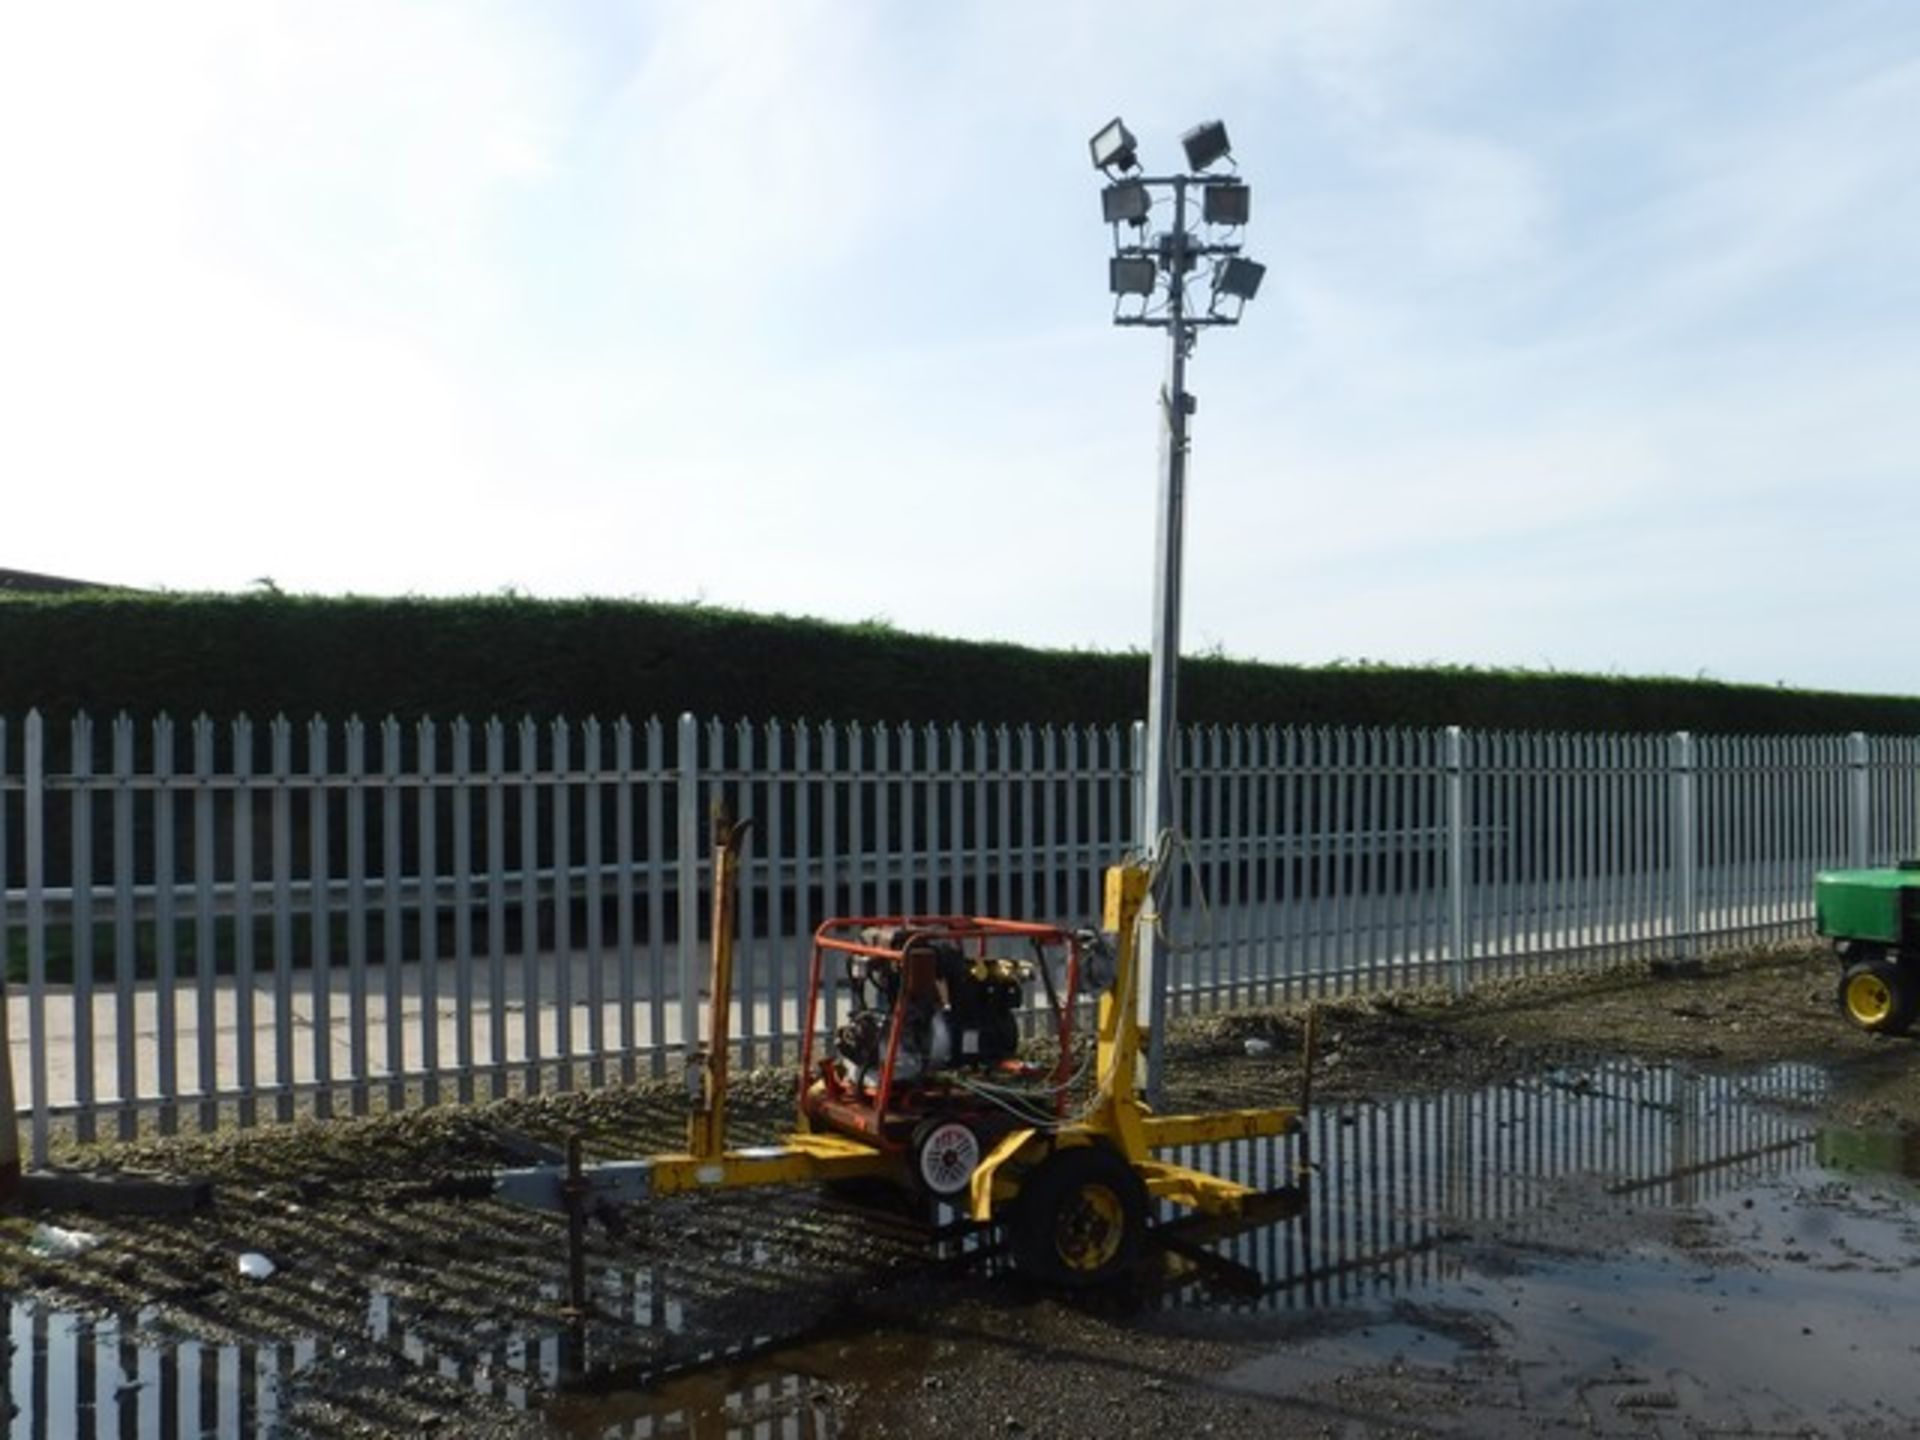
1406	1338
1593	1157
1892	1156
74	1375
784	1392
1736	1245
1783	1300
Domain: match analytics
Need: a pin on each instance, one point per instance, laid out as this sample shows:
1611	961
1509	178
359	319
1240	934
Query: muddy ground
407	1294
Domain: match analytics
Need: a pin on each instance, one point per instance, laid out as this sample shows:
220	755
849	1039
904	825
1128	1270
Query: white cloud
798	305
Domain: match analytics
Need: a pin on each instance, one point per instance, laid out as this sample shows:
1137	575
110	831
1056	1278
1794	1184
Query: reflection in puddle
1892	1154
81	1375
1565	1157
1402	1194
780	1394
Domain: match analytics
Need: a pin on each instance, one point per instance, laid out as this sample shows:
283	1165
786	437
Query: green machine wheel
1880	995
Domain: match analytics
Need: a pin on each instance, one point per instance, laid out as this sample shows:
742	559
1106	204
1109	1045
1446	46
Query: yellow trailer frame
1094	1206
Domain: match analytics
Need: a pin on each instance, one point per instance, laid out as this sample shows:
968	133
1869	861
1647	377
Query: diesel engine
958	1011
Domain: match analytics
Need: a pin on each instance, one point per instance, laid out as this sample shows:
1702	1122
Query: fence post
1859	803
1455	761
1137	791
34	837
689	882
1684	785
9	1123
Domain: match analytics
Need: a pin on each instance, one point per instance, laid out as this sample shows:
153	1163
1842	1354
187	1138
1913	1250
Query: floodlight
1226	202
1113	147
1128	201
1206	143
1131	276
1238	277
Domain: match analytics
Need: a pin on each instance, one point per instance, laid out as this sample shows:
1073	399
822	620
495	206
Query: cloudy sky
1590	337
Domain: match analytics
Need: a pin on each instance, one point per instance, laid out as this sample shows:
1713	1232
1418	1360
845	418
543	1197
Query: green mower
1873	919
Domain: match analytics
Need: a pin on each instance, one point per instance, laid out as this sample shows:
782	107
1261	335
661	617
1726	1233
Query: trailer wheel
1880	995
1079	1218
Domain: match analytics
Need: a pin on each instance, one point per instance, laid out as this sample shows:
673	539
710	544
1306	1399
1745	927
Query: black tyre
1881	995
1080	1218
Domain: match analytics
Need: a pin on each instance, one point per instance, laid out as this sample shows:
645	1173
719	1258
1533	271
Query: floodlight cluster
1150	270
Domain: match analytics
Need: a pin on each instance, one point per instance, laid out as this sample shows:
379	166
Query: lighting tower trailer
924	1085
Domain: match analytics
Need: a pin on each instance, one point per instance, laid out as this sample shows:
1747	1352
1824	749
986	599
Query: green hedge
301	656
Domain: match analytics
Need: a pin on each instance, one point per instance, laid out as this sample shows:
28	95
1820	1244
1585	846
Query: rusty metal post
9	1123
1309	1045
574	1191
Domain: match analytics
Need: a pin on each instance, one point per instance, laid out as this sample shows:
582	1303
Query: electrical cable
1171	841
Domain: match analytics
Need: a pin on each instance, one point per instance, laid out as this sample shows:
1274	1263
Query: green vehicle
1873	919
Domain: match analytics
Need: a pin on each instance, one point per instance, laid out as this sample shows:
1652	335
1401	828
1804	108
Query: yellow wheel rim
1869	1000
1090	1228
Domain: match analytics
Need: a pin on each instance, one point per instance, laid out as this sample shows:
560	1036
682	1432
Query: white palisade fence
231	922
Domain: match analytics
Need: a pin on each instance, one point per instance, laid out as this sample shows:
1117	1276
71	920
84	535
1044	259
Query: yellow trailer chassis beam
816	1157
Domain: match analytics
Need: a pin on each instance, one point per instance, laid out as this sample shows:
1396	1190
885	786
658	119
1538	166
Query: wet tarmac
1622	1242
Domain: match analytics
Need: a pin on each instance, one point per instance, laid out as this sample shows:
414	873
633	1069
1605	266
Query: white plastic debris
1256	1046
256	1266
50	1242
